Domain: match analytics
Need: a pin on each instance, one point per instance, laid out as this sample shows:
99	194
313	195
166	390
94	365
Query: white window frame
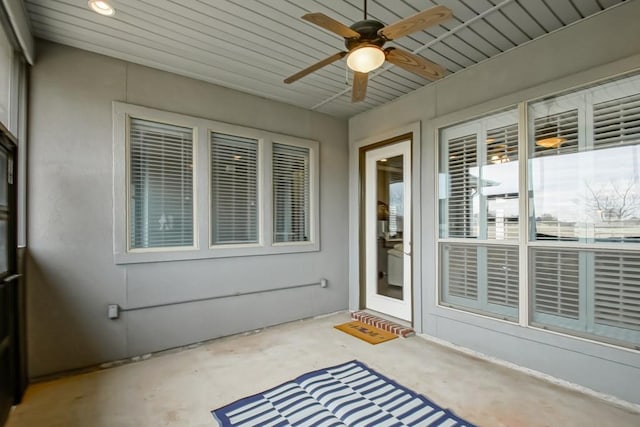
478	126
313	188
203	247
600	92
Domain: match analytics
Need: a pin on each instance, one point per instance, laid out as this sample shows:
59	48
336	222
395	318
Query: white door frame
401	309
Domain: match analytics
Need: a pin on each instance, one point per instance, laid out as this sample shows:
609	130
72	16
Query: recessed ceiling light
102	7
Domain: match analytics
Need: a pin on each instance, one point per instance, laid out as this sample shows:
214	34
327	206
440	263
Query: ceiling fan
364	41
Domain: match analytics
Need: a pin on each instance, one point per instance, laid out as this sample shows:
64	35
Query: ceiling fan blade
417	22
359	86
314	67
322	20
414	63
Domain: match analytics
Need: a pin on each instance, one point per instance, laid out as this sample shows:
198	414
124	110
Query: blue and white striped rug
350	394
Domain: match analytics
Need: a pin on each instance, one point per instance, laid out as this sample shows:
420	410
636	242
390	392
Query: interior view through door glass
7	304
390	191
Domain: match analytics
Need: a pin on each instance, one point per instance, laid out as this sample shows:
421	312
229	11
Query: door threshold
388	323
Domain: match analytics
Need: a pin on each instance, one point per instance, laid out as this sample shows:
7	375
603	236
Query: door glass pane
390	215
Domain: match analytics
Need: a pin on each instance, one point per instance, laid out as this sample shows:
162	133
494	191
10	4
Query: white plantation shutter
161	185
502	147
584	193
556	287
502	144
479	174
503	276
461	271
563	125
617	290
481	277
462	185
291	193
234	189
617	122
591	292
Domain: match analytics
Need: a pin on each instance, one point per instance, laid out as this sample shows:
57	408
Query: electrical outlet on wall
113	311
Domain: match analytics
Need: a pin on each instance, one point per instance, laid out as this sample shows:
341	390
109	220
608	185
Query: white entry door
388	229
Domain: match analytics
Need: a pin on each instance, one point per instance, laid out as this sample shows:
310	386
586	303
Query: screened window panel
462	189
234	189
291	193
161	185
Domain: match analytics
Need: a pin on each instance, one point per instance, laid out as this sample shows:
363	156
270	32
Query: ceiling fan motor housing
368	30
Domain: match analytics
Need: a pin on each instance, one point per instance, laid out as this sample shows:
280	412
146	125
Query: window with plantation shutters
478	207
589	292
586	189
291	193
581	275
161	185
482	278
234	189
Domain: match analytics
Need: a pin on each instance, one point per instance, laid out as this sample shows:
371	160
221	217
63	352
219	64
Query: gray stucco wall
71	276
600	47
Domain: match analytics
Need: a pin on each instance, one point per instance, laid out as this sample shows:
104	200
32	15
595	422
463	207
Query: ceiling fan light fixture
365	58
552	142
549	136
102	7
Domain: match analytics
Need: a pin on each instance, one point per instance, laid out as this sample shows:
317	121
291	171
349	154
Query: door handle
409	251
12	278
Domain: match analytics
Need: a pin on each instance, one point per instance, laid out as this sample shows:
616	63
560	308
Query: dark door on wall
8	281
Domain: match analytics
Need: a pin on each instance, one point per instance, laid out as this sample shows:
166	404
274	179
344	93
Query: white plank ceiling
252	45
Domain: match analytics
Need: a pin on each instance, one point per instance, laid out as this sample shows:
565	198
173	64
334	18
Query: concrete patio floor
180	388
